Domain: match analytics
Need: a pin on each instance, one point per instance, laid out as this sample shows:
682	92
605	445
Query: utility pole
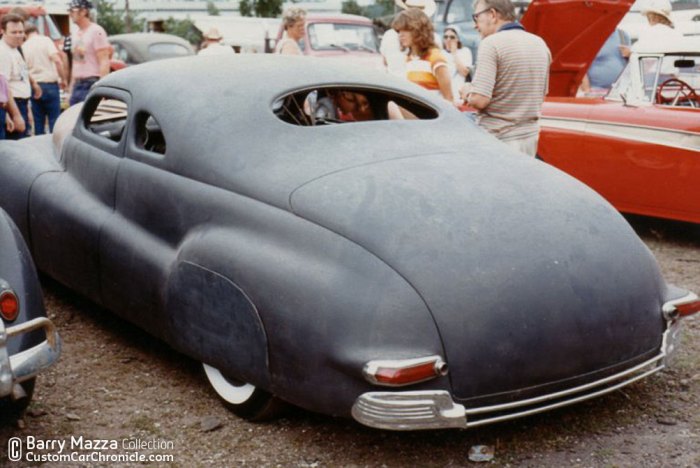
127	19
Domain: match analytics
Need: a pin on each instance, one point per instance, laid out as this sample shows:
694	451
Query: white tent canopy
247	33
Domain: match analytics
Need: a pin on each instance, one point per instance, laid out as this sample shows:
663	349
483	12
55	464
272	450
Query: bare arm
103	61
14	117
444	82
60	68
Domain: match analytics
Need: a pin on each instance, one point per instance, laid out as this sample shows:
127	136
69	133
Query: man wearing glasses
511	79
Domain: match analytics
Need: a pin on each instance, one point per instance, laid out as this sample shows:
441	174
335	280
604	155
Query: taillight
399	372
683	307
9	306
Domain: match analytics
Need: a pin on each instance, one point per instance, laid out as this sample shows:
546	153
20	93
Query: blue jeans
2	123
81	87
48	105
23	105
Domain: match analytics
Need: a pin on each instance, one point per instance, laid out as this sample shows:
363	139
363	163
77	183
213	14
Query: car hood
530	276
574	31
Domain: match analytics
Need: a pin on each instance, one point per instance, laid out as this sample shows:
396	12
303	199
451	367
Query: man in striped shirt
511	79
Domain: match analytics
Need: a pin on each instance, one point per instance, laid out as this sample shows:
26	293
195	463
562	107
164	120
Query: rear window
332	105
163	50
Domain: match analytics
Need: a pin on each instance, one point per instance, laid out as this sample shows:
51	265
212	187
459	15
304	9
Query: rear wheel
243	399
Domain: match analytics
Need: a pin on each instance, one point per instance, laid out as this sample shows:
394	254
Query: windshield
340	36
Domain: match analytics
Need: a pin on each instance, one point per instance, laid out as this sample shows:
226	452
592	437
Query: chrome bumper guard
435	409
30	362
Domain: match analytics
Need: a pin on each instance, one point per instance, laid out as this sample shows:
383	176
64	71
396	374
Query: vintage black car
29	343
412	274
135	48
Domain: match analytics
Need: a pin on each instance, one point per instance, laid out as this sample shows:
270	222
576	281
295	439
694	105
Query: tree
114	22
260	8
110	20
351	8
245	8
184	29
212	10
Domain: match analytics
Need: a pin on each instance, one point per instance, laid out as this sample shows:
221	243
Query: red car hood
574	30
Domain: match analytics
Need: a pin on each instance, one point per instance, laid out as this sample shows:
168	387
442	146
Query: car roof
682	45
220	112
149	38
339	18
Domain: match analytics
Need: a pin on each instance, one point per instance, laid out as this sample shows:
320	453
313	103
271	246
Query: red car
343	37
639	146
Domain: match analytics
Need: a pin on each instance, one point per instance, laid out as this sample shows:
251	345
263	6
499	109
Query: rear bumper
435	409
30	362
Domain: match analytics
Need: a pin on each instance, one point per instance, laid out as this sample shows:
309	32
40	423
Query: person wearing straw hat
658	14
212	44
390	48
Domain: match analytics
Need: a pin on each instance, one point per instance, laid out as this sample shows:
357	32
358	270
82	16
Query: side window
120	53
649	71
149	135
107	118
341	104
460	11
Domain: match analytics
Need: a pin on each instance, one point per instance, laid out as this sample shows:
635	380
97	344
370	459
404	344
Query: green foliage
115	22
110	20
184	29
212	10
378	9
268	8
245	8
351	7
260	8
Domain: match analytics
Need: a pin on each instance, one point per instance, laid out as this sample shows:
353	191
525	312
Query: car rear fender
318	304
23	162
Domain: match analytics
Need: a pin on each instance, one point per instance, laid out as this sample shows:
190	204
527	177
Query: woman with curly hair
294	20
425	63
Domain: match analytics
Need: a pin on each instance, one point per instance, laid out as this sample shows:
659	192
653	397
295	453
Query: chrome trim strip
561	404
435	409
689	141
563	393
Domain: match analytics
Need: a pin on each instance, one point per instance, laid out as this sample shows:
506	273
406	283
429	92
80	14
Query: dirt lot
115	382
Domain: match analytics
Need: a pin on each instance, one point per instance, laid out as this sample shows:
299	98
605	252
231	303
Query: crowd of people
506	85
33	70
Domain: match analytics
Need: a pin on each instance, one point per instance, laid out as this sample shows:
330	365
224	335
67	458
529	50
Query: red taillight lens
687	309
395	373
682	307
9	306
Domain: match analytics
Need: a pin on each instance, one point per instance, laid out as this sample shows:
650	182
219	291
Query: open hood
574	30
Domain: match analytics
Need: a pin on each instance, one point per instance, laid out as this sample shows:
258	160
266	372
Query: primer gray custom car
29	342
411	274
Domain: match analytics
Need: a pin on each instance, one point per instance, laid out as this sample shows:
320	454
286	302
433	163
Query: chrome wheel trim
230	392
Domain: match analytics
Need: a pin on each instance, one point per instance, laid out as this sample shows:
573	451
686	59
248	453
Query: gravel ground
114	382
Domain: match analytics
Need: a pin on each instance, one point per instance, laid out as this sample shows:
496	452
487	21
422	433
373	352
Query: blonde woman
294	20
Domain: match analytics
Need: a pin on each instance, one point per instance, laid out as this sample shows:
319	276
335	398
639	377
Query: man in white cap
213	46
658	14
394	56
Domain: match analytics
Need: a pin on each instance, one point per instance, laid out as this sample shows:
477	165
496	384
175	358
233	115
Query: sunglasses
449	36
